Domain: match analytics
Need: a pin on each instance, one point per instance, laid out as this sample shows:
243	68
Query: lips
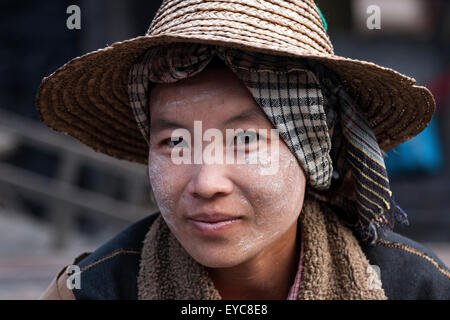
212	217
213	223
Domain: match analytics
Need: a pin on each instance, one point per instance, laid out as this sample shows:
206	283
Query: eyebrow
249	114
164	123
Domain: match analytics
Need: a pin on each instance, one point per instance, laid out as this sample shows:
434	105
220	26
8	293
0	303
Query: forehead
211	87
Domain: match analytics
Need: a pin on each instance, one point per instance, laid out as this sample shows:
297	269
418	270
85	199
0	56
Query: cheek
165	183
276	201
276	198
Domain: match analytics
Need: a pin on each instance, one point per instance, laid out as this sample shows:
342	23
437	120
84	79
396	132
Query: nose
210	180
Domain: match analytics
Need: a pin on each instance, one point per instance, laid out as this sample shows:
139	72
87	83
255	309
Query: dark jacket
408	269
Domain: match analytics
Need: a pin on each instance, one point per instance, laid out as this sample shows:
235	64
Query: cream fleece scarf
334	266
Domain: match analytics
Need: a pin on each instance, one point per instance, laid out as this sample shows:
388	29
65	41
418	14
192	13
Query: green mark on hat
325	24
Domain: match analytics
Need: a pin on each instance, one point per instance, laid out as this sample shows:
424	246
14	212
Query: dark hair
216	63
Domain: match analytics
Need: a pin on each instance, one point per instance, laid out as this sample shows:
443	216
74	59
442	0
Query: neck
267	276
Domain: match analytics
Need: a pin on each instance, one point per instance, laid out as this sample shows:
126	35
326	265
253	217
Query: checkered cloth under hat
309	107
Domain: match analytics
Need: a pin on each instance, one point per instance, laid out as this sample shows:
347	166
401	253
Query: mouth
214	223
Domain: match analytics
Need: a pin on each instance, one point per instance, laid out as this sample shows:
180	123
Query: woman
307	216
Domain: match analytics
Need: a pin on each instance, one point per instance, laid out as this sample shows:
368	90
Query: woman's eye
247	137
178	142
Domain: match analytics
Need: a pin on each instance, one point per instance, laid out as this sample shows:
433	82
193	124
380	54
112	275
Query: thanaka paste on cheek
276	199
162	190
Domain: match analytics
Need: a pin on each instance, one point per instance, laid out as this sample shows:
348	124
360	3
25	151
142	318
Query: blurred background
58	198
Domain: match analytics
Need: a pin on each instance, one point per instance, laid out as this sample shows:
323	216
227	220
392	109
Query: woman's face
222	213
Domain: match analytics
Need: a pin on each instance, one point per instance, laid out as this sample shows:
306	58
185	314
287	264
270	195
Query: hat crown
283	26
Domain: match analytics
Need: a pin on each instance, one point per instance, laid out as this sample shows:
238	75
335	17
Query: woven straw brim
87	98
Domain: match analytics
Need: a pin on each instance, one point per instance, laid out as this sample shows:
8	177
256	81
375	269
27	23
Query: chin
217	259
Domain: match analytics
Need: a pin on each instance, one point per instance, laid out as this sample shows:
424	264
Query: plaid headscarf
314	115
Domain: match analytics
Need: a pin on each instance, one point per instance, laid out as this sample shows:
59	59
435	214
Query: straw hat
87	98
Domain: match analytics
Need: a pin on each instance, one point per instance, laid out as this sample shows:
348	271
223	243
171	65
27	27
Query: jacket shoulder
59	288
110	272
408	269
